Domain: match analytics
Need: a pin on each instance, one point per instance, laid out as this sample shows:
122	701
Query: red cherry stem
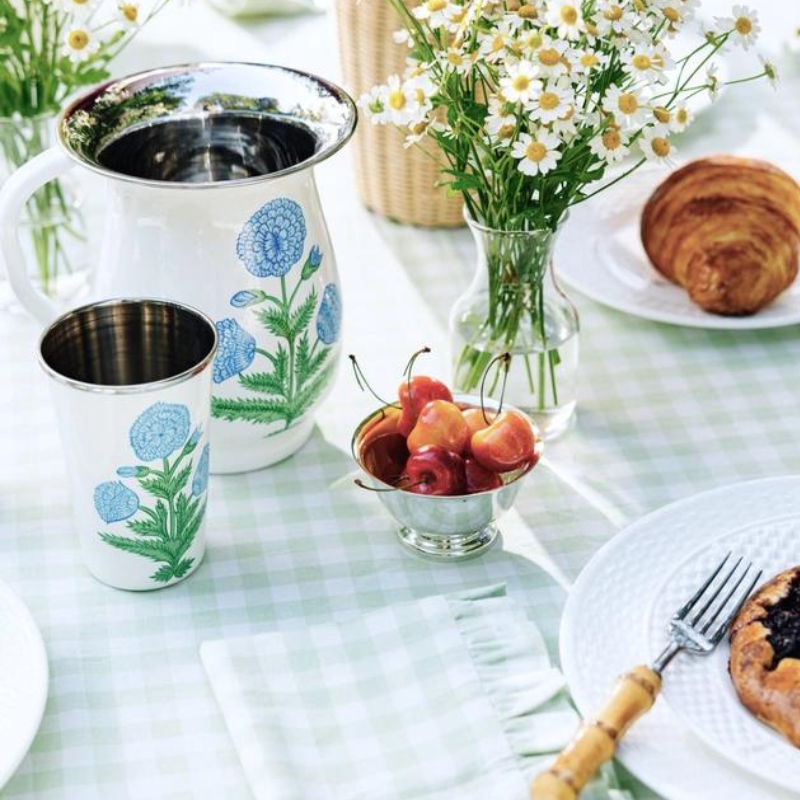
364	384
506	359
409	368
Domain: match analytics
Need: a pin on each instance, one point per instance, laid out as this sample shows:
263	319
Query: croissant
727	230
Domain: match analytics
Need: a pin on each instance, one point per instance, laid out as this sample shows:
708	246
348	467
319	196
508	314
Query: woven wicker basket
396	182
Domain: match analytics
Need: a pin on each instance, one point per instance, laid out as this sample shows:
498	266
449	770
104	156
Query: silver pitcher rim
85	102
134	388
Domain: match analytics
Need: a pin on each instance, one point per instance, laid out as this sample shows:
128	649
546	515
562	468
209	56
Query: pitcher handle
16	192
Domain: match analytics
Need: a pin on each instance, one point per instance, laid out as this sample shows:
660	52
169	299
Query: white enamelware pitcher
212	202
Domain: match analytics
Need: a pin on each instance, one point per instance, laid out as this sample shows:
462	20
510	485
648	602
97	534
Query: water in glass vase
515	306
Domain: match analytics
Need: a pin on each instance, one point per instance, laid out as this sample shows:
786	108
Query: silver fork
697	627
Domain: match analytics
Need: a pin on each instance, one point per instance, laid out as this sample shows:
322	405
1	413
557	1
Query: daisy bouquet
48	49
531	103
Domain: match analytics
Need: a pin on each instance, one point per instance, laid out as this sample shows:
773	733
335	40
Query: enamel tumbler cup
131	382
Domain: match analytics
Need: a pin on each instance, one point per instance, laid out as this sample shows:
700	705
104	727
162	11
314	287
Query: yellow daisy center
130	12
549	56
419	128
79	2
534	40
591	28
613	13
661	114
641	62
672	14
455	59
78	39
520	83
397	99
419	96
535	151
682	116
498	43
436	5
589	60
549	100
628	103
612	139
661	146
569	15
527	11
743	26
506	131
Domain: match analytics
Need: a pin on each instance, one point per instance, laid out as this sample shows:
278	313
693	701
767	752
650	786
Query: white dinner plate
607	628
23	681
600	254
700	691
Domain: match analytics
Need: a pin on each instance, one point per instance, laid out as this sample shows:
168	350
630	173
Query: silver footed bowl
447	528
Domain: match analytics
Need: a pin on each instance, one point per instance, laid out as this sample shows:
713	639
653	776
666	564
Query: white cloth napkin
446	697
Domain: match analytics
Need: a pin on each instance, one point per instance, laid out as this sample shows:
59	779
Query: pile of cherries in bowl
434	444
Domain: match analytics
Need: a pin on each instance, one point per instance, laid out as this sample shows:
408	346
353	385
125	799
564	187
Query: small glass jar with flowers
49	49
538	105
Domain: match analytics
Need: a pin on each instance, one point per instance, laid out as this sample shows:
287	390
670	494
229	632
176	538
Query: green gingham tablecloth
664	412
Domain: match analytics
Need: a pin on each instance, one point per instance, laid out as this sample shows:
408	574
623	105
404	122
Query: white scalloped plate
23	681
700	690
599	253
606	629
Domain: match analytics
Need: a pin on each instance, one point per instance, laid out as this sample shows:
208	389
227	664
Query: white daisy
743	25
458	61
435	12
501	127
493	44
565	126
550	58
551	102
656	146
528	11
584	62
770	71
642	63
612	17
537	154
627	107
521	83
79	43
400	102
128	14
681	119
79	9
566	17
712	82
610	145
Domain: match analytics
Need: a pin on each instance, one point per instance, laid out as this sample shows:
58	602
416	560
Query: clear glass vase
514	305
53	232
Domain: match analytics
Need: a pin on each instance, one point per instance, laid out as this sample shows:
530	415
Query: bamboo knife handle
595	742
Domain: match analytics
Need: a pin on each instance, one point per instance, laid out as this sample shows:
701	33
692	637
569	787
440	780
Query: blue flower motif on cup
160	430
133	472
200	480
235	352
272	240
329	317
248	297
114	501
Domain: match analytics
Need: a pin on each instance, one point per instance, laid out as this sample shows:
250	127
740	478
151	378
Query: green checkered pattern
664	412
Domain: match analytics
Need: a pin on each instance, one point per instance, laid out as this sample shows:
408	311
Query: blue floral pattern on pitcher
297	361
272	240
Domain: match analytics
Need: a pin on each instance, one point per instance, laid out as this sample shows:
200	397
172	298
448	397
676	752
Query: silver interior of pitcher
203	124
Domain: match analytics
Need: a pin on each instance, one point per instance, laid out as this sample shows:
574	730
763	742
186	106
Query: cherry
415	395
441	423
507	444
385	456
476	421
480	479
433	470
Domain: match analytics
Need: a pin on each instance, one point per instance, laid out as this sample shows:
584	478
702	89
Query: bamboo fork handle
595	742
